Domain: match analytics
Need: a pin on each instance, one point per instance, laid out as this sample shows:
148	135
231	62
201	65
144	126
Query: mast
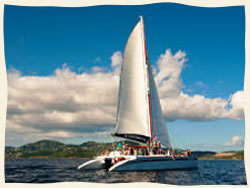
147	72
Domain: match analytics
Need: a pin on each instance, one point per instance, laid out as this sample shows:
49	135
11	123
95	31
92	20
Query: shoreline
46	157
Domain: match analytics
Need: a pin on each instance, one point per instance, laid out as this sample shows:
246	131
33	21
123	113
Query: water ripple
62	170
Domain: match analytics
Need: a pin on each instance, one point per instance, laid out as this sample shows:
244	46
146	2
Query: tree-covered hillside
55	149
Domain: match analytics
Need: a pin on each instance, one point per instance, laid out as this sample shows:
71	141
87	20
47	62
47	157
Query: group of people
155	149
134	151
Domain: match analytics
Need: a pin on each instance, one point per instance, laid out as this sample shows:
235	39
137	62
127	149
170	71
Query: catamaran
139	115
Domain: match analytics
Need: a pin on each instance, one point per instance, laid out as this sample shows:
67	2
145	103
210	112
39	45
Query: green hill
55	149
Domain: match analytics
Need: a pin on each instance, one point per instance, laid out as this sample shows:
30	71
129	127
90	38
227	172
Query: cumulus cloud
177	104
197	107
168	78
235	141
116	61
236	105
66	104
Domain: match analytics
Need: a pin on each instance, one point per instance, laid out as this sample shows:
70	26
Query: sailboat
139	115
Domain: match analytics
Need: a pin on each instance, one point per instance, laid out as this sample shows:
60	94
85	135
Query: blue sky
39	40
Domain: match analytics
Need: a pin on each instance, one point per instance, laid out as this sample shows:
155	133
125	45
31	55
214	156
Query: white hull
154	163
142	163
99	162
94	164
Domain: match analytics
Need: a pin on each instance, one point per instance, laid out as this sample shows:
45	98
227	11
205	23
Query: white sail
139	115
133	114
159	130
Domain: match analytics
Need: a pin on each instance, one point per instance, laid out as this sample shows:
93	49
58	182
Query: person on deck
135	152
148	148
168	152
159	145
131	151
188	153
107	152
161	152
155	148
125	151
144	151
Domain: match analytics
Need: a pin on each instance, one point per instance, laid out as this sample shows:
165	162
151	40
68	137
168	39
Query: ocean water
210	172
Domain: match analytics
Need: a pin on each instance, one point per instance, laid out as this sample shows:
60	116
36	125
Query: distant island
230	155
55	149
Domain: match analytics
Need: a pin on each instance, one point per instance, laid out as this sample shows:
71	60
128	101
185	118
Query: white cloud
195	107
236	102
97	69
65	134
176	104
168	78
116	59
235	141
66	104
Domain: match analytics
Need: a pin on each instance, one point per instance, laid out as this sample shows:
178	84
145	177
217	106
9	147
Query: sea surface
210	172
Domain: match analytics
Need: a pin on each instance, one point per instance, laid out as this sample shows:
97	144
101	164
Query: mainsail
139	115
